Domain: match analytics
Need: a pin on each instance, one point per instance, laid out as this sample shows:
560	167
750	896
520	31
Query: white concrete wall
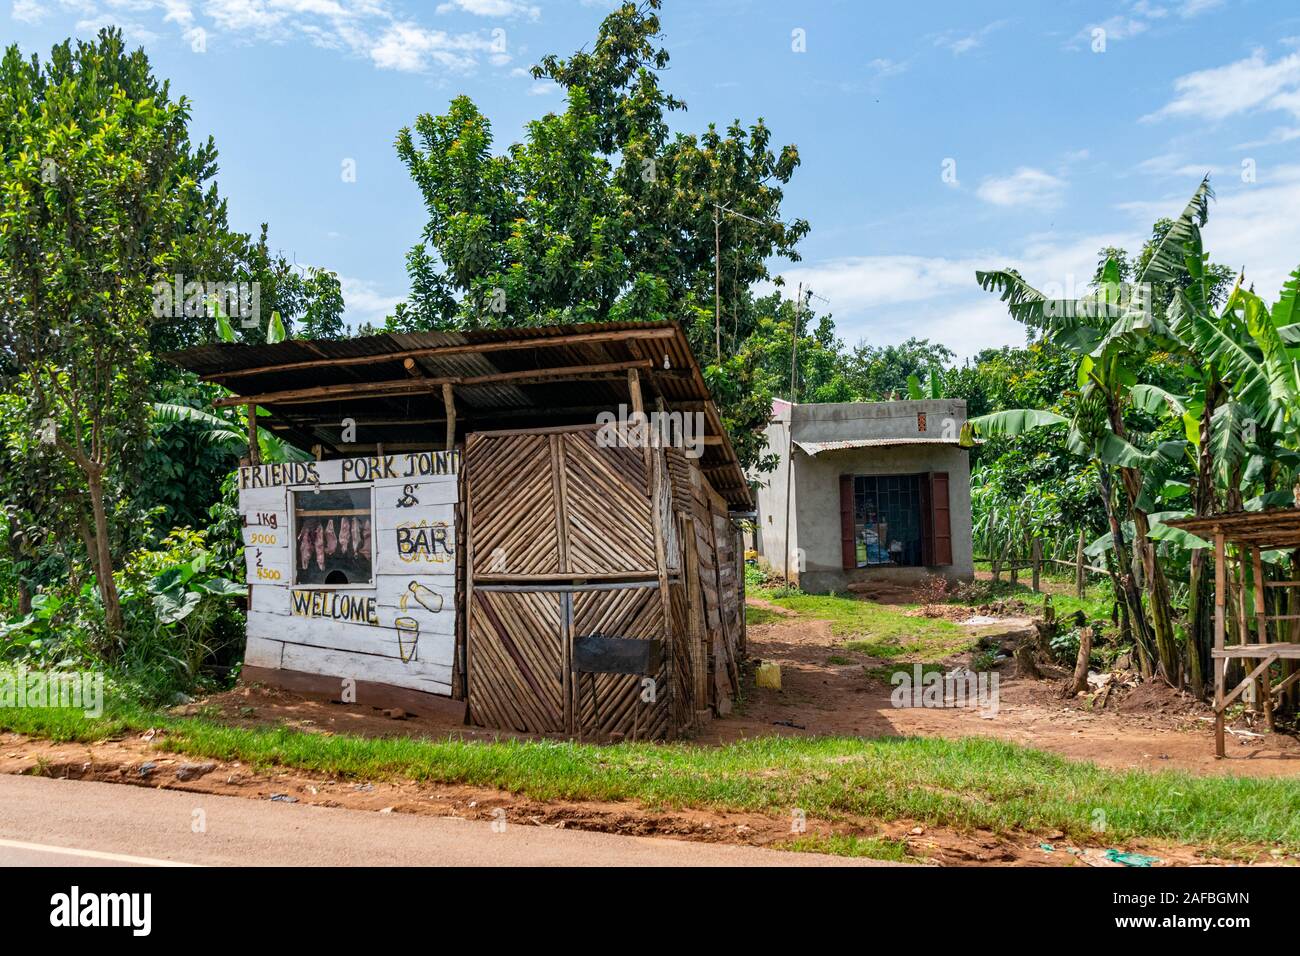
817	480
815	497
849	421
771	500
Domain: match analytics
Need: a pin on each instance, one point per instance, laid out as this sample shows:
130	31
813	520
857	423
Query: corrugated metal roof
817	447
405	414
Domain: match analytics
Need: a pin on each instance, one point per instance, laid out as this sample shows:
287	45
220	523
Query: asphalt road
47	822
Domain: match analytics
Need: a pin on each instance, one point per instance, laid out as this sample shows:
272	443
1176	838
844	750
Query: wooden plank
254	447
426	493
429	654
696	615
263	652
381	469
342	664
267	535
255	502
1249	679
535	342
1262	696
1286	651
417	547
267	565
408	386
362	606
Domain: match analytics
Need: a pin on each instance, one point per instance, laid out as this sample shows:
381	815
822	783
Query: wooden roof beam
553	341
408	386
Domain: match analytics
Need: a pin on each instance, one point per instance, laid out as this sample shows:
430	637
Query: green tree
879	373
601	212
101	189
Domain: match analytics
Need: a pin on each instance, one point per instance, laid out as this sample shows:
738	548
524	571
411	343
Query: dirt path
1153	728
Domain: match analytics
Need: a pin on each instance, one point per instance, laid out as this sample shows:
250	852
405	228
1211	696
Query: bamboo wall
567	538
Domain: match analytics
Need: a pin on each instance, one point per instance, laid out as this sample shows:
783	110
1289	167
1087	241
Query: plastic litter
1130	859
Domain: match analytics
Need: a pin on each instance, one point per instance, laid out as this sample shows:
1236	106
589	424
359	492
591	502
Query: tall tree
101	189
601	212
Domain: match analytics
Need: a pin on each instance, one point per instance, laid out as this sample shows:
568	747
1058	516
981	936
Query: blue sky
1062	127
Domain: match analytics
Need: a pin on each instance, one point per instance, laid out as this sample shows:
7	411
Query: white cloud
1256	225
887	299
542	89
492	8
28	11
1194	8
959	42
1252	83
364	28
132	32
364	301
1133	22
1118	27
1025	187
1279	134
411	48
885	67
1173	164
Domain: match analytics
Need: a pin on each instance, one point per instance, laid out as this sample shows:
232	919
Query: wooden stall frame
1249	535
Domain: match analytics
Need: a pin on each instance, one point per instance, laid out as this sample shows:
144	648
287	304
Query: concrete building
876	489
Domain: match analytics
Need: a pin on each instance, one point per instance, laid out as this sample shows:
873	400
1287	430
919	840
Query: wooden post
653	460
254	451
1036	556
789	444
658	512
1080	576
1220	597
698	615
449	401
743	646
634	390
1263	685
717	283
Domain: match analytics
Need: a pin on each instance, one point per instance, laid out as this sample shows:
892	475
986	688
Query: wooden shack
548	514
1256	612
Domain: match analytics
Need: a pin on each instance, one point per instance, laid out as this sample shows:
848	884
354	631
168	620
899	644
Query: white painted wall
399	629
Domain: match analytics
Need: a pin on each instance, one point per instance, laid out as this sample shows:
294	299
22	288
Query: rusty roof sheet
669	371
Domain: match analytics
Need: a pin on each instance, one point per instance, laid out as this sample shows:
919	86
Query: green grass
881	630
1095	606
885	672
846	844
761	615
964	784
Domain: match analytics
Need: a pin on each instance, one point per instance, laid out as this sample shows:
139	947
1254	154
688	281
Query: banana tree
1243	422
1112	330
220	431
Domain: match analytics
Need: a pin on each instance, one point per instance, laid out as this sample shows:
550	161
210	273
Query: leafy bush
180	625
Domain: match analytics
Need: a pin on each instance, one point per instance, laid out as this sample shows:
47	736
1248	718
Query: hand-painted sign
353	566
